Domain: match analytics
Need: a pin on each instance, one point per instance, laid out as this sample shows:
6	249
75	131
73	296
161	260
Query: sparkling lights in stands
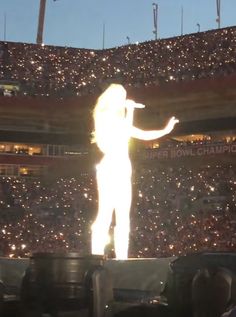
59	71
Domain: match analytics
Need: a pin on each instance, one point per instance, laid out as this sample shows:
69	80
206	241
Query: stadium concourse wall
48	168
200	105
70	119
203	105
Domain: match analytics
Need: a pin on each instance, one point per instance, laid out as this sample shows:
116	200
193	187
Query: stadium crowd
42	70
175	211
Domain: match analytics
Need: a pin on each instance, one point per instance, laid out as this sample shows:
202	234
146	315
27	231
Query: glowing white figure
113	118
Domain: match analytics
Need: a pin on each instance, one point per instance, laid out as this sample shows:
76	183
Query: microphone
131	104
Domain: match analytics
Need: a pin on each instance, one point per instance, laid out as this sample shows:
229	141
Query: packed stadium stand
47	70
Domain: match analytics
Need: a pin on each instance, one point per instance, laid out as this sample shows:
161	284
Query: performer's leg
121	231
100	227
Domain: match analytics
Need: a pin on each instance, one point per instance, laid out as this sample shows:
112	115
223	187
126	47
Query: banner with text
187	151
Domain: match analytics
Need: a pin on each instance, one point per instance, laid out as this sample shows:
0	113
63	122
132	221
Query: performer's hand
170	125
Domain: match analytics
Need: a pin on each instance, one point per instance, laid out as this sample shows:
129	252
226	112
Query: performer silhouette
113	120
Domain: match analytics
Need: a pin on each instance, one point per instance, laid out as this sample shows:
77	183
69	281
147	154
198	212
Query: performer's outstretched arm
153	134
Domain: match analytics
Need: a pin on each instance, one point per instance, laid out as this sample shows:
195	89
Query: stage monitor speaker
2	291
65	282
178	288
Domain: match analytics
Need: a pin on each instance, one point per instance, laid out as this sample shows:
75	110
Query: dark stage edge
131	278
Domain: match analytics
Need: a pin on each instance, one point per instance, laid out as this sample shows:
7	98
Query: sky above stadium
109	23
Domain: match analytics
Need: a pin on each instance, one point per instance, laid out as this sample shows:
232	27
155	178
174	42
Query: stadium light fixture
155	18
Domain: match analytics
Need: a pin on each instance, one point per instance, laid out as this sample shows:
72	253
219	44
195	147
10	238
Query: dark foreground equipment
55	283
